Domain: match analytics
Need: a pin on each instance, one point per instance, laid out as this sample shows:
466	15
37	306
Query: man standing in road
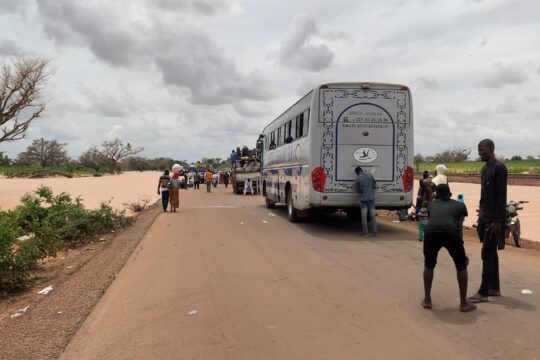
491	219
365	184
208	177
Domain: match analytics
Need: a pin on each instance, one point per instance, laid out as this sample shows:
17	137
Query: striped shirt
365	184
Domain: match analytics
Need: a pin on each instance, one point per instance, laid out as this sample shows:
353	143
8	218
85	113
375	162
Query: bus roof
347	84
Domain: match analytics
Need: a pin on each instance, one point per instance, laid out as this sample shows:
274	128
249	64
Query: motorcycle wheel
516	234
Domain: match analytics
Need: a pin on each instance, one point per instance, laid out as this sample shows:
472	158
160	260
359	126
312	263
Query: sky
188	79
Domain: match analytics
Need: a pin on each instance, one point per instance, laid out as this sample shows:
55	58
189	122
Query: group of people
445	229
169	185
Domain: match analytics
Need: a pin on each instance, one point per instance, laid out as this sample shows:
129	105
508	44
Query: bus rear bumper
388	201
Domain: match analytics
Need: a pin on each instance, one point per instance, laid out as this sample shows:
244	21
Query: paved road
316	290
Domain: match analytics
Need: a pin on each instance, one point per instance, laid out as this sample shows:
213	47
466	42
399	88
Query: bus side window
306	121
293	128
278	136
300	125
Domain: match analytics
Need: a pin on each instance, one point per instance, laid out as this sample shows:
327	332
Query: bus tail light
408	179
318	179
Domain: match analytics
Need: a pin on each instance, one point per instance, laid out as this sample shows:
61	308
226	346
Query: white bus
310	152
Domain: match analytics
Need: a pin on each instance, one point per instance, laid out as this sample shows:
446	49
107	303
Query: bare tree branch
21	85
115	150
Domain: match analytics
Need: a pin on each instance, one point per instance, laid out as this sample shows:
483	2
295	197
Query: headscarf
441	175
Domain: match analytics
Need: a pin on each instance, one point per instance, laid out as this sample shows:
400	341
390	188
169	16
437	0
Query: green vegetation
45	223
473	167
38	171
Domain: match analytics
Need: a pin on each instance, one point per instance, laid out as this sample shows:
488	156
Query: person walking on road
174	191
208	177
365	184
196	180
441	177
163	189
491	219
421	191
444	230
226	177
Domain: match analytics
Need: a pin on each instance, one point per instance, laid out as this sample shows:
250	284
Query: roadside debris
46	290
265	222
193	312
396	221
241	223
526	291
19	312
271	214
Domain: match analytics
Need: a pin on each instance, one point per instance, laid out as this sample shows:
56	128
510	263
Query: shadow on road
336	227
454	316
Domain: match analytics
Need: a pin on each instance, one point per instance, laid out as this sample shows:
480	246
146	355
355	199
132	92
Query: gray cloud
11	6
10	48
186	57
206	7
429	83
538	70
297	52
505	75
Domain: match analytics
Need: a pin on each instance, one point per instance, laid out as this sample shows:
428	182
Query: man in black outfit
445	230
491	220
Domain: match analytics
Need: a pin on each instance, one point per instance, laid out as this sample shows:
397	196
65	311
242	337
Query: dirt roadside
79	278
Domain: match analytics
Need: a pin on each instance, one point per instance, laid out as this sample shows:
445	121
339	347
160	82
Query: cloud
186	57
12	6
505	75
205	7
429	83
10	48
483	42
538	70
297	52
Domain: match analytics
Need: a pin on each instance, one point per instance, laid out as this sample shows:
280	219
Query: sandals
478	298
468	308
426	305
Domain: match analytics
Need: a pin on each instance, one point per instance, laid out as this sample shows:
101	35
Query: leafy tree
21	84
4	159
457	154
418	159
44	152
530	157
92	158
516	157
116	150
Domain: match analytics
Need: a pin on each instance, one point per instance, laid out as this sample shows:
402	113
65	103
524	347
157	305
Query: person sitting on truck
272	145
289	139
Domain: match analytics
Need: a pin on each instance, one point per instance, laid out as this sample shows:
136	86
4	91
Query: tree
44	152
21	84
4	159
530	157
418	159
516	157
92	158
457	154
115	150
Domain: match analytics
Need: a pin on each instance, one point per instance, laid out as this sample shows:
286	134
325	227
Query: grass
474	167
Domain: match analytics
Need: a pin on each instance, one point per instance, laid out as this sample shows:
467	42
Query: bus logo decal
365	155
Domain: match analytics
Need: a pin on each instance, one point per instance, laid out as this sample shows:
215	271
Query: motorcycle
512	223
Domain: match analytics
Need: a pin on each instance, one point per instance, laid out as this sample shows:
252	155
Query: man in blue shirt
365	184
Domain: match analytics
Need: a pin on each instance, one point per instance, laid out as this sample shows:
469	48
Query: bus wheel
354	215
269	203
292	213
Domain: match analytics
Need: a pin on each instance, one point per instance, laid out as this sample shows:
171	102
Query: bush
43	224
